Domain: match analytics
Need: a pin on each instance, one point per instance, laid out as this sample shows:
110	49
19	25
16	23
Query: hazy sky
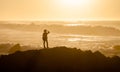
59	9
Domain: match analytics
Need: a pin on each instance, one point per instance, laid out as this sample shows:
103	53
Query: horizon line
70	20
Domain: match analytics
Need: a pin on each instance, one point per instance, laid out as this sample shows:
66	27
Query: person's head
45	30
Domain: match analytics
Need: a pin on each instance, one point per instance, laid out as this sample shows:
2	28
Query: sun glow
75	3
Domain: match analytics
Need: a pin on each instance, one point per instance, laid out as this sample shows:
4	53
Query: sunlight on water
74	39
74	24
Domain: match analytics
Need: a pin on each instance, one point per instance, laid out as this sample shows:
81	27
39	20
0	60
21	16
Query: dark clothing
45	39
45	36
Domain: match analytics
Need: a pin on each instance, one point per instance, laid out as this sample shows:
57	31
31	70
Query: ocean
82	40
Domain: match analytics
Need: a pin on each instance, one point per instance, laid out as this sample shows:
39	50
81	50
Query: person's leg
47	44
44	43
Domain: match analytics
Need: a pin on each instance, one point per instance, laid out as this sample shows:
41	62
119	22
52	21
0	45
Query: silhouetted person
45	38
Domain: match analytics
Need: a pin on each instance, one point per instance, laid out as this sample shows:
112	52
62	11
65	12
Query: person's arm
48	32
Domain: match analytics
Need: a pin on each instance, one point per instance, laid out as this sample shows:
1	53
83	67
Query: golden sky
59	9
